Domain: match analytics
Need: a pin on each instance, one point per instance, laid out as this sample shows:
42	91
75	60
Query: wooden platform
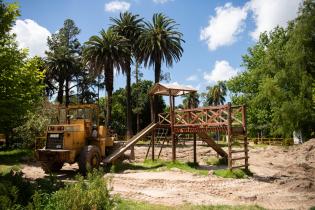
226	119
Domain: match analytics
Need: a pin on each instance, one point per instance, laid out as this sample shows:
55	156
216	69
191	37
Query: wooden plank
239	151
117	153
206	138
229	132
240	158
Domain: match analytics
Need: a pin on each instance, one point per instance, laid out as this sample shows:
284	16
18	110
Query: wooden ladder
234	153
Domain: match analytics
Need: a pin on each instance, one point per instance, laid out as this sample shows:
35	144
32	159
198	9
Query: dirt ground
284	178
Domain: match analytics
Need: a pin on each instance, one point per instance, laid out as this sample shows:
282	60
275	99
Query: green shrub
49	185
15	191
235	174
216	161
92	193
35	125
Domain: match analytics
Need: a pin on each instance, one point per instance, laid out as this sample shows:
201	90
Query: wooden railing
212	116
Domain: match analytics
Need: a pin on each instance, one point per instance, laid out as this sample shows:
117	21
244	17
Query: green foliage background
20	77
278	83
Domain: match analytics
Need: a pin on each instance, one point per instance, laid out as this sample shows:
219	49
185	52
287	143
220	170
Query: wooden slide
120	151
206	138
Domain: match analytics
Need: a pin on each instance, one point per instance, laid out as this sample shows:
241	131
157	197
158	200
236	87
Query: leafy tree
20	78
35	124
8	14
160	42
216	94
48	80
63	59
20	86
102	54
130	27
141	106
191	100
141	103
86	85
277	83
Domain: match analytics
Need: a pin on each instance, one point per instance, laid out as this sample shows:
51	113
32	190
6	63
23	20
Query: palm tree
104	53
160	42
216	94
191	100
130	27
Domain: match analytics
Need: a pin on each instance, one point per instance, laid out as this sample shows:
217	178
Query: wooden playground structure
225	119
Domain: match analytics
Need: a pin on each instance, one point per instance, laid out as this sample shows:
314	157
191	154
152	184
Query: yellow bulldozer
77	137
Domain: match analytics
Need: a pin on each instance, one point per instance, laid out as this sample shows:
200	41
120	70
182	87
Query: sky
216	32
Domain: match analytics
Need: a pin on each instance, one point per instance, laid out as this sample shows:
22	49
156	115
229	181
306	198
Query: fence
272	141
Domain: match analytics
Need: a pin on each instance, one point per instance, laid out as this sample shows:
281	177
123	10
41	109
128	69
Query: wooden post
153	142
245	136
172	126
195	149
152	108
229	130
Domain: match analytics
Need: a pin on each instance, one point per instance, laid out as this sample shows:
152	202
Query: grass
120	167
15	156
235	174
11	159
135	205
4	169
156	165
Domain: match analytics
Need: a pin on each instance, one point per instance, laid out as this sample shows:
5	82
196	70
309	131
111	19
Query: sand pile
305	152
299	173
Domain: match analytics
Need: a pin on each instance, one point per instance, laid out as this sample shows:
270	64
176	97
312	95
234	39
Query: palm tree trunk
157	71
109	108
109	78
60	91
137	81
157	75
128	92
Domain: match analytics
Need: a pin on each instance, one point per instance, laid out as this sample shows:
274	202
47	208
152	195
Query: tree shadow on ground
12	157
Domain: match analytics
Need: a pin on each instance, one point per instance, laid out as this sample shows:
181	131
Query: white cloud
192	78
270	13
224	27
31	35
178	84
222	71
117	6
160	1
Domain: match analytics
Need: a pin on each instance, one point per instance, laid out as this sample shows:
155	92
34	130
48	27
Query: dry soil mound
299	175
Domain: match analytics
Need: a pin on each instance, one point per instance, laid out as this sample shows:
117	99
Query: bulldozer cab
84	114
88	112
